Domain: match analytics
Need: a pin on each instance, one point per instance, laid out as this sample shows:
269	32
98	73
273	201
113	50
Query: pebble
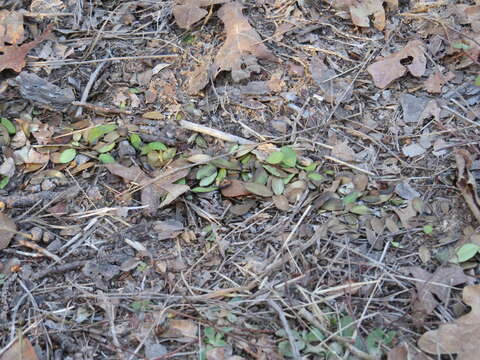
36	233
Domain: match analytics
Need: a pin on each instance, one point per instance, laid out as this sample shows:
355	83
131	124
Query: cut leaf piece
67	155
208	180
136	141
274	171
204	189
278	186
12	130
258	189
97	132
205	171
106	158
106	148
289	156
466	252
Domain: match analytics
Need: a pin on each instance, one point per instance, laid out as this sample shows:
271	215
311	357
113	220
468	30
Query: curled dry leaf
460	336
389	68
466	182
242	45
7	230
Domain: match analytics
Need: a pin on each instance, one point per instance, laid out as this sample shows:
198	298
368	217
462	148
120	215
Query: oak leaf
460	336
242	46
188	12
389	68
362	10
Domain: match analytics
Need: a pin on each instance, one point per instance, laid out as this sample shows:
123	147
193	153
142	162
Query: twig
286	326
43	15
328	157
41	250
101	109
88	87
59	269
82	62
215	133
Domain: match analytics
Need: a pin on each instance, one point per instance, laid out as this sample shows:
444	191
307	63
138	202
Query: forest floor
226	179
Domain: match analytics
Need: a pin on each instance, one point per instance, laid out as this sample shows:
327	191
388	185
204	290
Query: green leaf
310	167
428	229
153	146
315	335
258	189
204	189
67	155
285	349
4	182
360	210
209	332
278	186
206	181
222	174
205	171
477	81
274	171
352	197
136	141
106	158
97	132
106	148
226	164
466	252
315	176
288	178
12	130
289	156
346	326
460	45
275	157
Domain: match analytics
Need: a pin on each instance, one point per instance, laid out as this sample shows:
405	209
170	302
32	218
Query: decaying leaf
437	284
389	68
188	12
362	10
242	45
7	230
436	80
466	182
460	336
180	329
406	352
153	190
21	349
13	56
234	188
11	27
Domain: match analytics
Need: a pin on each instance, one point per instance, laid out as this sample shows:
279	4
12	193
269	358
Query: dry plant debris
458	337
238	179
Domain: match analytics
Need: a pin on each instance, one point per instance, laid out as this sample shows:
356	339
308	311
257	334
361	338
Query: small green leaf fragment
278	186
106	158
106	148
477	80
67	155
274	171
289	156
205	171
360	210
12	130
97	132
352	197
206	181
136	141
428	229
466	252
222	174
275	157
315	176
204	189
4	182
460	45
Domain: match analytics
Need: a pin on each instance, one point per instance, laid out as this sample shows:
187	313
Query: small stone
47	237
125	149
36	233
48	184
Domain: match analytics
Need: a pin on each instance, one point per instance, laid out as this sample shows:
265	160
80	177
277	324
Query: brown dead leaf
343	152
466	182
389	68
406	352
469	15
11	28
362	10
179	329
242	45
436	80
13	56
7	230
460	336
406	214
20	349
233	188
198	78
437	284
188	12
152	190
